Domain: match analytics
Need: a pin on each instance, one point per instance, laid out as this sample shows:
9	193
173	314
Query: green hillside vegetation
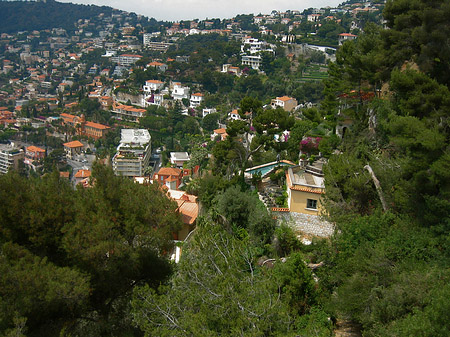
94	262
34	15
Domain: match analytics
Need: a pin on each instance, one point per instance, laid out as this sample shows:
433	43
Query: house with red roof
73	148
285	102
33	154
169	177
346	37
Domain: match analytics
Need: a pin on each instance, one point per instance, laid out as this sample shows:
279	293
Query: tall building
133	153
10	157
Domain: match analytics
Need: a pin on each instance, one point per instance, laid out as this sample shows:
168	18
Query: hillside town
70	98
270	174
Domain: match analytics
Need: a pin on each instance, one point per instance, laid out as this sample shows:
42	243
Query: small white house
152	86
206	112
179	92
196	99
179	158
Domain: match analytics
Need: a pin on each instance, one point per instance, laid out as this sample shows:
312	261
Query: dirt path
346	329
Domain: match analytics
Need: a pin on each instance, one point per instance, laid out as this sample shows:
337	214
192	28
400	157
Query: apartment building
10	158
133	153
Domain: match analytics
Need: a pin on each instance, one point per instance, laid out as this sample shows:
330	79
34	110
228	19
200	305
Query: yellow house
305	187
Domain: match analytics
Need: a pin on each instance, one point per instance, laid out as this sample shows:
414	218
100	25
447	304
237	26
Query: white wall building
196	100
254	61
133	153
152	86
10	157
179	92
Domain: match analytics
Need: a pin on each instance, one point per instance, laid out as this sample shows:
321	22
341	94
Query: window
311	203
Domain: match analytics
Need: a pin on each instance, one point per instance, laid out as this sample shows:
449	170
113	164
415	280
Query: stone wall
307	224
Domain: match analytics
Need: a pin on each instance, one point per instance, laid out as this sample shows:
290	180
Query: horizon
175	10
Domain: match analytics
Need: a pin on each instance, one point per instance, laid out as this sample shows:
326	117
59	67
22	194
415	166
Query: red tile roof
33	148
97	126
74	144
169	171
83	174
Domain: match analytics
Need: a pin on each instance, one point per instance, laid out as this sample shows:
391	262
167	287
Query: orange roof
188	210
97	126
154	81
234	112
280	209
220	131
347	34
169	171
67	116
33	148
284	98
83	174
306	189
155	64
73	144
197	94
64	174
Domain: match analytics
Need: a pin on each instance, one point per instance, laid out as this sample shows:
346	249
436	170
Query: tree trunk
377	186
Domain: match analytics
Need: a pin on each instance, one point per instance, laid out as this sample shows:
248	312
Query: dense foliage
70	258
33	15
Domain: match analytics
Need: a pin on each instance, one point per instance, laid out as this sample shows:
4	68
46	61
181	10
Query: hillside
30	15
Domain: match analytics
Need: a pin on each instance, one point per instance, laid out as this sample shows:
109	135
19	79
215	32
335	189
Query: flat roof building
10	158
133	153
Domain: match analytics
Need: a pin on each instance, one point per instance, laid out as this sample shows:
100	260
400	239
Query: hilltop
36	15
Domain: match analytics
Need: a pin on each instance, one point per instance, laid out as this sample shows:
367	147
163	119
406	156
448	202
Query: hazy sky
174	10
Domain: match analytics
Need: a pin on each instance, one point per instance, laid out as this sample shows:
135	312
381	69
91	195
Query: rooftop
135	136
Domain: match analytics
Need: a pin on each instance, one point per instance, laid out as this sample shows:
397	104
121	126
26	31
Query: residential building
126	59
133	153
106	102
285	102
253	61
206	112
196	99
234	115
94	130
179	158
73	148
152	86
159	46
188	208
222	133
10	158
82	177
179	92
169	177
128	112
158	65
305	186
33	154
313	17
85	128
346	37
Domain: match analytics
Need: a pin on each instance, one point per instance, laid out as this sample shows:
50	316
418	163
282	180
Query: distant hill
37	15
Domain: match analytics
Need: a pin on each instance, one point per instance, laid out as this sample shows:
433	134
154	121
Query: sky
175	10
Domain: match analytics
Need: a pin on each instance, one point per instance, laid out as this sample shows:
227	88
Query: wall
298	200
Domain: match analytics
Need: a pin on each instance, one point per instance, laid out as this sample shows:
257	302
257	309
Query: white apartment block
133	153
253	61
126	59
10	157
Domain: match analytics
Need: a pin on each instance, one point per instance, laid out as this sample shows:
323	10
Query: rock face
307	224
